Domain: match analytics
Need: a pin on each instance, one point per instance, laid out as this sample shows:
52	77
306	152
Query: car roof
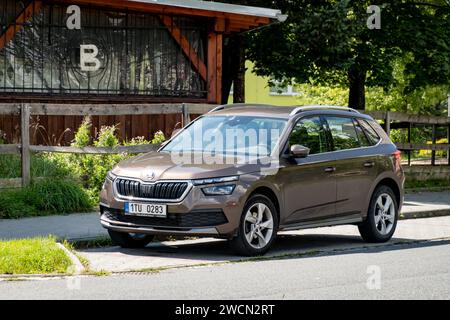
284	112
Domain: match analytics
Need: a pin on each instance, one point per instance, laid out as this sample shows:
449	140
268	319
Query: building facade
118	51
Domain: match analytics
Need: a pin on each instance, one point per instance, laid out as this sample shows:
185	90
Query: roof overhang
236	17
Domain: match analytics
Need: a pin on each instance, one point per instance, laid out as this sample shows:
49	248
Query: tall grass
33	256
45	197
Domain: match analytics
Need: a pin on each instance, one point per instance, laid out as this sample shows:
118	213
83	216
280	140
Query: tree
329	42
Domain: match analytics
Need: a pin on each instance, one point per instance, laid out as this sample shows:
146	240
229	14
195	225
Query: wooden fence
27	110
391	120
398	120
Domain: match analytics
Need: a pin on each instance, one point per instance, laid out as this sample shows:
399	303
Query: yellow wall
257	90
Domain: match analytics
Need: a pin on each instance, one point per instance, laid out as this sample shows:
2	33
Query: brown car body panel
305	193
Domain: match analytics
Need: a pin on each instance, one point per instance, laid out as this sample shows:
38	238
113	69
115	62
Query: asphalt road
394	271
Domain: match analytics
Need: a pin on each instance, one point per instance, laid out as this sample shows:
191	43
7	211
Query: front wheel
130	240
382	216
258	226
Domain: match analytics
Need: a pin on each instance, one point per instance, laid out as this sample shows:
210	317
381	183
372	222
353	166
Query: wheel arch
391	183
269	193
389	180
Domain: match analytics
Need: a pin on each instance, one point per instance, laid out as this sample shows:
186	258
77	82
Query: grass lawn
32	256
432	185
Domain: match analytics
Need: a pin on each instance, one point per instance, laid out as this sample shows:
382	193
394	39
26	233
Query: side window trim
330	141
357	124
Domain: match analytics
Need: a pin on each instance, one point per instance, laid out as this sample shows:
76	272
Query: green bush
42	165
44	197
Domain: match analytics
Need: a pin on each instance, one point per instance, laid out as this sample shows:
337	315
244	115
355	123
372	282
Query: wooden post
409	141
215	47
186	115
433	141
387	123
448	141
25	146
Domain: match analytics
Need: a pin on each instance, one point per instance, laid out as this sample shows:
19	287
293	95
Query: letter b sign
88	58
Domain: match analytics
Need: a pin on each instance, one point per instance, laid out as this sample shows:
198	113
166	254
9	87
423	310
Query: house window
280	90
138	54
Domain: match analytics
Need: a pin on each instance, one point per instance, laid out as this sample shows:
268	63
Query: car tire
257	228
382	216
127	240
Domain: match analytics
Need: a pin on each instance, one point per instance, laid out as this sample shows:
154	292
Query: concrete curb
424	214
76	264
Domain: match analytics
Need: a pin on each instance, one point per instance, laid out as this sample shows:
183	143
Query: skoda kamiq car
246	172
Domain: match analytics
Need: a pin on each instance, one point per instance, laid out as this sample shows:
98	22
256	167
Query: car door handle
330	169
369	164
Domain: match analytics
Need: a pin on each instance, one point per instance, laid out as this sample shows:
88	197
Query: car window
364	141
343	133
229	135
371	134
310	132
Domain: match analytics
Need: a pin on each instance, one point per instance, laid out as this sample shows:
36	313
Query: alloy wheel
384	214
258	225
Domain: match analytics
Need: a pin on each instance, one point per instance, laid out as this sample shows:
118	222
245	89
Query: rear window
362	136
343	132
370	132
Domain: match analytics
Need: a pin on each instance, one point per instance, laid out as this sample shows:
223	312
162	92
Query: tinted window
371	134
343	132
310	133
364	141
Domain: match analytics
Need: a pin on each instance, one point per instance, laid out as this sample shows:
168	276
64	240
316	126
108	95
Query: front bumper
136	228
194	215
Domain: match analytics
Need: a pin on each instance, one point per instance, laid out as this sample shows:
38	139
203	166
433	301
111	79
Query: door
309	185
356	165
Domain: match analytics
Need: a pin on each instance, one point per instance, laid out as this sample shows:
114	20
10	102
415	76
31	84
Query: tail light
397	155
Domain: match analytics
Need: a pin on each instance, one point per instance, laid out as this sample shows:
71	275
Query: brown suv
244	172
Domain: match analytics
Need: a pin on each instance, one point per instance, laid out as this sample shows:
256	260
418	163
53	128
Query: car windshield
229	135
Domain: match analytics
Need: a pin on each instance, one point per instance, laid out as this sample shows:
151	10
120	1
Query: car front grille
158	190
193	219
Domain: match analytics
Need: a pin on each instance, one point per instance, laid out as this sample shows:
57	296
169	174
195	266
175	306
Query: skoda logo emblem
150	176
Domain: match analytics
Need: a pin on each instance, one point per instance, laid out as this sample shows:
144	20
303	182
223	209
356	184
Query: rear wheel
257	229
382	216
130	240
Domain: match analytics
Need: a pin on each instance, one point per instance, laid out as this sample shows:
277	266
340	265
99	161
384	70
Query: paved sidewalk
87	225
72	227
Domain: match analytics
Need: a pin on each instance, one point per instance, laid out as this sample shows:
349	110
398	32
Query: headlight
215	180
111	176
223	190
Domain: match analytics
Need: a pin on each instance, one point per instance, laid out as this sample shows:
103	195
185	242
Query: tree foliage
328	42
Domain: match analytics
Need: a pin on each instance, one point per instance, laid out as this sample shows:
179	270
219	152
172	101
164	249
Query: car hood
162	166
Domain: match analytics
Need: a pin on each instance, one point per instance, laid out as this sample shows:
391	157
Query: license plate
146	209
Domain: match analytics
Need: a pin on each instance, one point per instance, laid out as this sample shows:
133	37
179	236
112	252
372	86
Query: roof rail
236	105
297	110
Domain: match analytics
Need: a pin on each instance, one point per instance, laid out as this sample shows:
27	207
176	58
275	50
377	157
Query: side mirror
175	132
298	151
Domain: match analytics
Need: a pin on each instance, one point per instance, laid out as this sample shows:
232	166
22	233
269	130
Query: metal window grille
138	53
